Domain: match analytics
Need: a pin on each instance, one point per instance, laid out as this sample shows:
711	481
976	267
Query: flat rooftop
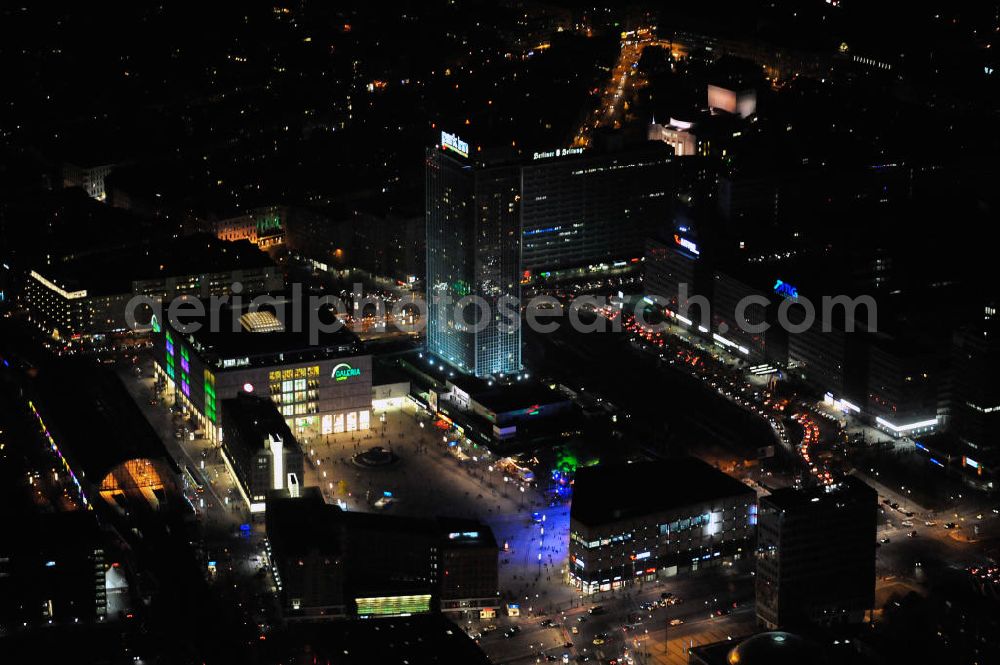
821	496
112	271
232	341
501	399
428	639
254	419
456	531
385	372
608	493
297	525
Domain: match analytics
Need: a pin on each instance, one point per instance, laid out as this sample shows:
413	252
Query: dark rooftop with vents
429	639
300	343
819	498
609	493
255	418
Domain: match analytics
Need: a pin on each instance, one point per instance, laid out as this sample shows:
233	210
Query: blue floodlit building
473	249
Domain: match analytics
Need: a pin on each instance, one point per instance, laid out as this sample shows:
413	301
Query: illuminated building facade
89	177
816	555
264	227
738	102
645	521
677	134
318	388
473	249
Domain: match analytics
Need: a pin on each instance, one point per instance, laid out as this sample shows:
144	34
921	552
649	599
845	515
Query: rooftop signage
785	289
558	152
455	144
687	244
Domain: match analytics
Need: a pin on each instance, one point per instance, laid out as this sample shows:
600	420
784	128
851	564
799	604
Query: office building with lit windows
473	249
260	449
975	399
816	555
329	563
320	386
88	295
89	175
586	212
655	519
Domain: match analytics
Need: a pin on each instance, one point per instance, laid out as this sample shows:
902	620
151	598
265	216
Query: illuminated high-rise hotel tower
473	260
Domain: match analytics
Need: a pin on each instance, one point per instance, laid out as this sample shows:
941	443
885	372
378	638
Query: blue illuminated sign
785	289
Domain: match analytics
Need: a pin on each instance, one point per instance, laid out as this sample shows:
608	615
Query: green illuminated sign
343	372
270	222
